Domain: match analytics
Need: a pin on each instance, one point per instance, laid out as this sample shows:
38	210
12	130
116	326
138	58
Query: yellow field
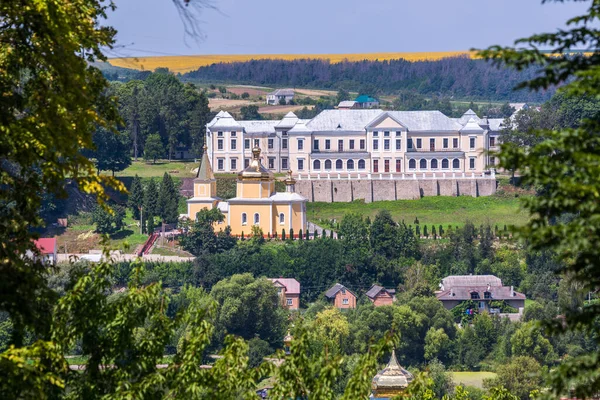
190	63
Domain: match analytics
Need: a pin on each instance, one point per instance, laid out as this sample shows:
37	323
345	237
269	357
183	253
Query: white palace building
352	142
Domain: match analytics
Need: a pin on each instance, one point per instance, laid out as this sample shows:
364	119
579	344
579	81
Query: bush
245	95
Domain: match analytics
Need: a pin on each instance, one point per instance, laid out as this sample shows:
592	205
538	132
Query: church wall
235	218
194	208
297	220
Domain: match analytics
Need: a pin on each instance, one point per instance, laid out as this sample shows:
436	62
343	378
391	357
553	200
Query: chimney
512	291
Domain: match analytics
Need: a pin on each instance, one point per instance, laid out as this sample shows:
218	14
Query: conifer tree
150	199
307	234
300	236
331	234
136	197
323	234
283	234
168	199
441	230
150	224
433	232
418	230
291	234
425	233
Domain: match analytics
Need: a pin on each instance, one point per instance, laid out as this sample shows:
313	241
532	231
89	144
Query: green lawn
431	210
148	170
471	378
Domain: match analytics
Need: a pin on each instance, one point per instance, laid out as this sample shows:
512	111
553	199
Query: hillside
184	64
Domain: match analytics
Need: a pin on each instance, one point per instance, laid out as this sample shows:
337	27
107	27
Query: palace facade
256	202
355	141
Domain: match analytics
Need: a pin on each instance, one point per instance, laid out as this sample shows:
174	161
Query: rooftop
46	245
292	286
376	289
282	92
331	293
363	98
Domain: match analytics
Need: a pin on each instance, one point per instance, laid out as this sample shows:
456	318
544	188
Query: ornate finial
289	174
256	153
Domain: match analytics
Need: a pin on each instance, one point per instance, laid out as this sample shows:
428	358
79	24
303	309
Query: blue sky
153	27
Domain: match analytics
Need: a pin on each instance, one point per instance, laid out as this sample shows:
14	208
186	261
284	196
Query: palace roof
425	120
342	120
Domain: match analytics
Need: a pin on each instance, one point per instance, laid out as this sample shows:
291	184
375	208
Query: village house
280	95
381	296
256	203
48	250
353	142
365	101
288	290
348	105
341	297
482	289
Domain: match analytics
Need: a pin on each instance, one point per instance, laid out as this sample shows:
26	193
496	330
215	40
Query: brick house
289	292
341	297
381	296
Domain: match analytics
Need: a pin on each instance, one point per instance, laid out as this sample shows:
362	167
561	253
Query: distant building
341	297
48	250
288	290
348	105
274	98
364	101
482	289
519	106
381	296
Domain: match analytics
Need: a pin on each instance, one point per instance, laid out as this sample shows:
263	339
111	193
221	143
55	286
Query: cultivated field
190	63
221	104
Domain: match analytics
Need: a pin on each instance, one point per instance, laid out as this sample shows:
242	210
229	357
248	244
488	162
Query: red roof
46	245
292	286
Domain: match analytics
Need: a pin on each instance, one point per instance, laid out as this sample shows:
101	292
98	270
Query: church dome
255	170
392	380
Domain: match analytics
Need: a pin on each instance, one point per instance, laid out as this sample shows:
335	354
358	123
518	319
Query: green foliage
250	113
108	221
528	341
111	151
151	199
168	198
136	197
517	379
201	239
153	148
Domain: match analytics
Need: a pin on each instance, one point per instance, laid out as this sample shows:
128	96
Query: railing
435	150
396	176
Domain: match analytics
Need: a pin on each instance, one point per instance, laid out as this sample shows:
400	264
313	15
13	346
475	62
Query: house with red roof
288	290
48	250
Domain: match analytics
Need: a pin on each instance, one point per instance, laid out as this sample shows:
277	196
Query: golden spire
392	380
255	170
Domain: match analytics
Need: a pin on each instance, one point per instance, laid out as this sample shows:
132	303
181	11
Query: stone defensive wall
331	188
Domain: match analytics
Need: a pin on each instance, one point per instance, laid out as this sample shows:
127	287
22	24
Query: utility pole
141	219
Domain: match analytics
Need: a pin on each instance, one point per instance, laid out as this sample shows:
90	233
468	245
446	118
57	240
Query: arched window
423	164
327	164
350	164
445	163
256	218
434	164
317	165
281	218
339	164
412	164
361	164
456	163
244	219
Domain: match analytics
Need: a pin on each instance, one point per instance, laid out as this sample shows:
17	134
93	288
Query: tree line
457	77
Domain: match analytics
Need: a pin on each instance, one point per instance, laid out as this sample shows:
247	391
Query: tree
437	344
342	95
528	341
201	238
332	328
168	200
151	198
153	148
111	151
108	221
245	95
136	197
565	166
520	377
250	112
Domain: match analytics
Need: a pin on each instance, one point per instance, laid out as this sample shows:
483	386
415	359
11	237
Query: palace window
233	164
327	164
398	144
219	134
386	144
327	144
339	165
300	144
220	144
316	144
244	219
375	165
270	143
375	144
445	163
256	143
412	164
284	144
471	143
284	133
284	163
256	218
340	145
281	219
386	134
316	165
233	134
423	164
361	164
419	143
351	144
220	164
398	165
409	143
445	143
362	144
455	143
472	163
233	144
432	144
246	144
350	164
375	134
386	165
456	163
246	162
271	162
492	141
434	164
300	164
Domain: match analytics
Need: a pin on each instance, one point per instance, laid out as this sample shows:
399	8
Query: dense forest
457	77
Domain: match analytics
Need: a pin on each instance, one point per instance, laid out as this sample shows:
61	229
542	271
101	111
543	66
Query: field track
190	63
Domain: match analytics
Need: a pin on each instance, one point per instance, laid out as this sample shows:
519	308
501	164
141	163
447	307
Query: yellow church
256	202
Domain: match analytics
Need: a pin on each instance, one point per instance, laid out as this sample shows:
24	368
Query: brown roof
331	293
376	289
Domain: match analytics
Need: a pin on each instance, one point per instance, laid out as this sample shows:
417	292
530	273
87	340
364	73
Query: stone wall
369	190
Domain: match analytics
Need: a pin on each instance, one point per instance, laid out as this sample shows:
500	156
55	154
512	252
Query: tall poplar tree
151	198
168	200
136	197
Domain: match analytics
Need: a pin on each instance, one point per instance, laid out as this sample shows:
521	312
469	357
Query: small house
381	296
364	101
48	250
348	105
288	290
341	297
280	95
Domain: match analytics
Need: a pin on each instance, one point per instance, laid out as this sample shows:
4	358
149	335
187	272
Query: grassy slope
471	378
431	210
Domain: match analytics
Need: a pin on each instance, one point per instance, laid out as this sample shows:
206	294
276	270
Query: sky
154	27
